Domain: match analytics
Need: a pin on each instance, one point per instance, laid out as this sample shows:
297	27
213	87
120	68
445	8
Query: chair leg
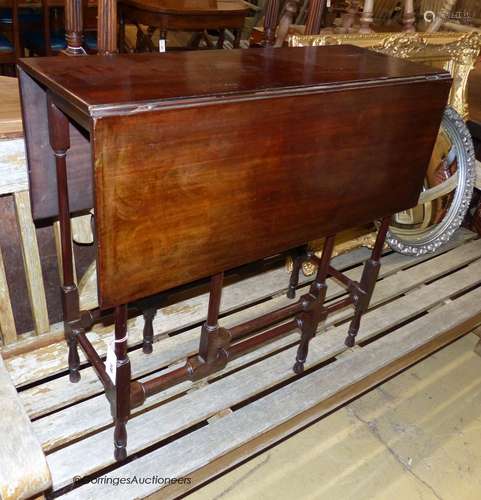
121	401
313	312
363	293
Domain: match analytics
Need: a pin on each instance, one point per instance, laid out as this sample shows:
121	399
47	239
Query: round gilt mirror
446	194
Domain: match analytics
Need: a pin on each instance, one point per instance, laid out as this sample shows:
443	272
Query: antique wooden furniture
23	472
10	48
186	15
445	200
315	12
49	36
176	204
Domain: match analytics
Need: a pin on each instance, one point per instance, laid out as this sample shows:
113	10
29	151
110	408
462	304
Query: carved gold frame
454	52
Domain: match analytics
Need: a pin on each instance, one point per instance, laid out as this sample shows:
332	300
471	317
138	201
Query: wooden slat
60	392
82	229
31	259
58	251
10	113
23	468
7	322
25	369
88	288
13	166
87	416
173	417
370	364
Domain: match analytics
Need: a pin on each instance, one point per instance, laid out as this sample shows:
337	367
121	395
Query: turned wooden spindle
107	27
59	135
270	22
314	17
120	406
287	18
367	16
408	17
350	16
74	27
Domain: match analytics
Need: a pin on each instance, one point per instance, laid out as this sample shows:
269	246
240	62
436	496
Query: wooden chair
316	11
10	39
50	36
26	18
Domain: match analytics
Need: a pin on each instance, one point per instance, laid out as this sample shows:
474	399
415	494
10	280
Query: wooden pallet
197	430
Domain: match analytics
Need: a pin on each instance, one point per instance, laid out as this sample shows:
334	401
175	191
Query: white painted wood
88	288
195	450
23	468
13	167
93	414
82	229
8	331
194	407
60	392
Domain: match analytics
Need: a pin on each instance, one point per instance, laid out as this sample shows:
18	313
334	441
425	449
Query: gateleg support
299	255
148	332
59	136
361	293
213	338
313	305
120	403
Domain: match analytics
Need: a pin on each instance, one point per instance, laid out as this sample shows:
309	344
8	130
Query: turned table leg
60	143
313	303
409	17
220	40
367	16
148	333
121	400
299	255
210	329
362	296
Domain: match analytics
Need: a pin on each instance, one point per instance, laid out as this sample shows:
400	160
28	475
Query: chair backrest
11	56
73	20
316	10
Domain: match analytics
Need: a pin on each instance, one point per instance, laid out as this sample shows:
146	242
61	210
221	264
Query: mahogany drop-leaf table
197	163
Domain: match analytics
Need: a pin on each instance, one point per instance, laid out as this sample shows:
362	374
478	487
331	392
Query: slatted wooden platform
195	431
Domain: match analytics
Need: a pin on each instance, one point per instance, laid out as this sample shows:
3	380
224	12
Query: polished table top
205	161
93	83
191	7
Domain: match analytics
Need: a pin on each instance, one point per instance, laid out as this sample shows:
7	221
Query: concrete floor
417	436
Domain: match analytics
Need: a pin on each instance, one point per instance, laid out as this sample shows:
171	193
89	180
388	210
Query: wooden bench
419	305
23	467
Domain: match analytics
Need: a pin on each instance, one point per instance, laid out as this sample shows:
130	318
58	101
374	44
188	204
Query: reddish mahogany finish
205	161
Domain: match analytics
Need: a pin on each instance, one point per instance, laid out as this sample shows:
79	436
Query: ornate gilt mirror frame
454	52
